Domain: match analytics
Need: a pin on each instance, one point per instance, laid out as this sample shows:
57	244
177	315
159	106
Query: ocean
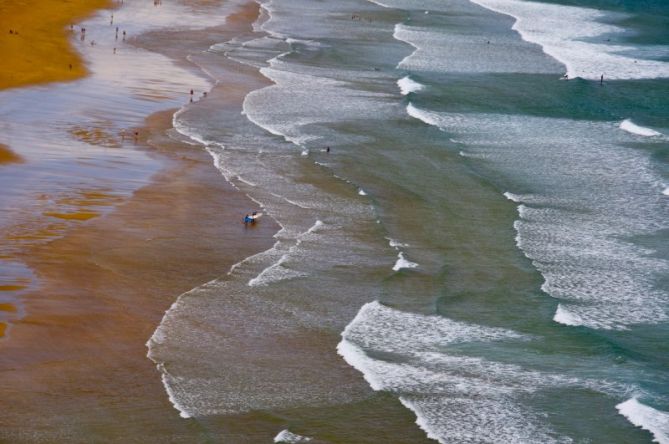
474	244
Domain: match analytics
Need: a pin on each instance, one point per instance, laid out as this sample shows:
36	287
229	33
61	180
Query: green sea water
481	240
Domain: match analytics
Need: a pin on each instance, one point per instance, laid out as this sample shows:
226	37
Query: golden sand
76	215
11	288
8	156
11	308
34	37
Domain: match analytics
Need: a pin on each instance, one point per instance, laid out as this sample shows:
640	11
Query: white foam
396	244
454	397
278	271
569	34
574	222
400	34
289	437
315	226
403	263
647	418
666	191
362	192
164	376
631	127
512	197
408	85
565	317
377	2
422	115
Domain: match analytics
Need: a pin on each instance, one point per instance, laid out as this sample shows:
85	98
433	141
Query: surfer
247	219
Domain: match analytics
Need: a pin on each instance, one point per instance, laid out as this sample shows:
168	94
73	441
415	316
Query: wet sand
73	366
8	156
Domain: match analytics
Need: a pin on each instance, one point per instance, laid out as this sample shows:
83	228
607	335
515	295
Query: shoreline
78	354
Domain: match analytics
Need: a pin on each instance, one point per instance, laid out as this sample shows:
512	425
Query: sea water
482	250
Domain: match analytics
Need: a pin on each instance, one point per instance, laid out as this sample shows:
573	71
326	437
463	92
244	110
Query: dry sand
34	37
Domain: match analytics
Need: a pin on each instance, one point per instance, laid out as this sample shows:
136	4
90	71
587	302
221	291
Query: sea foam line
397	33
631	127
276	272
566	33
647	418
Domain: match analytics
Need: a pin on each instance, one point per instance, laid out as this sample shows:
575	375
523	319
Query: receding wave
647	418
567	33
454	397
575	236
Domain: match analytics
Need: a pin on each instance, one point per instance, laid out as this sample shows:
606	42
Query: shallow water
487	238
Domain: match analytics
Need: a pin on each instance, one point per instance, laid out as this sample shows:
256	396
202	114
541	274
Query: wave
402	262
399	33
631	127
288	437
277	271
512	197
571	227
453	397
407	85
647	418
574	36
422	115
565	317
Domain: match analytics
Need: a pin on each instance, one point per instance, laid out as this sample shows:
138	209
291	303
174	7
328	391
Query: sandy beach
35	40
74	363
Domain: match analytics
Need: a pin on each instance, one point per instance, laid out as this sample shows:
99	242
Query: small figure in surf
248	219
